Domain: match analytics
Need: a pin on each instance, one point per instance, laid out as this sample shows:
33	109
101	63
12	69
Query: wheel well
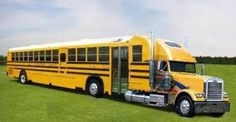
22	70
181	94
94	77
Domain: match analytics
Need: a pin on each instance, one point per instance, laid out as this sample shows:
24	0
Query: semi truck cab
176	83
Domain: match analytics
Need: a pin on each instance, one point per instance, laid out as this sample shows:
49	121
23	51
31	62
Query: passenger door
119	69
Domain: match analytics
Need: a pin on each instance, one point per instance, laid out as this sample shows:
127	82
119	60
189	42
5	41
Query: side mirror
202	69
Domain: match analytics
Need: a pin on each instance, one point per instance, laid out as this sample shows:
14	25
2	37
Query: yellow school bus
155	72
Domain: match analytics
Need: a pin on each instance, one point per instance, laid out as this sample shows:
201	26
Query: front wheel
23	77
185	106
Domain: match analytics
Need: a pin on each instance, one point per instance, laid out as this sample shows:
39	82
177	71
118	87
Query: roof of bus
71	43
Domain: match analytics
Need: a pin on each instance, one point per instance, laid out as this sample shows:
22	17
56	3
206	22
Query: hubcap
184	106
93	88
22	78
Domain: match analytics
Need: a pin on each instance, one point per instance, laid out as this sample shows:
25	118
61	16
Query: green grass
35	102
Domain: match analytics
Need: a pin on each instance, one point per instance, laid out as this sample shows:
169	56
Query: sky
209	26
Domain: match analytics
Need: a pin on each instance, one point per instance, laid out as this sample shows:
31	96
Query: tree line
3	59
215	60
200	59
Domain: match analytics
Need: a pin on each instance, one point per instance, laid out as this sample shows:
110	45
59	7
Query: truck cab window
163	66
137	53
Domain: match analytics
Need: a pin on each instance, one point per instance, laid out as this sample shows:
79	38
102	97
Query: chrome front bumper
212	107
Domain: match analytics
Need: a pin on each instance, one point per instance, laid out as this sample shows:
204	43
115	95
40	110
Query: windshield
182	67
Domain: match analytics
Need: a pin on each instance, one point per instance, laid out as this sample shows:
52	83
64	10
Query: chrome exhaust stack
151	99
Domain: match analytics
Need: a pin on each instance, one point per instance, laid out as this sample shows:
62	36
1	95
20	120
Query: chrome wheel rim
93	88
184	106
22	78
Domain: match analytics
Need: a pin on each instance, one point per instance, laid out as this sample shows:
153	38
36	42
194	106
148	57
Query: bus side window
12	56
92	54
71	54
17	56
81	54
48	55
31	56
25	56
36	56
103	53
62	57
42	55
55	55
21	56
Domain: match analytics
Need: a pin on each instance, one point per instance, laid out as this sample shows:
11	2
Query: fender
191	93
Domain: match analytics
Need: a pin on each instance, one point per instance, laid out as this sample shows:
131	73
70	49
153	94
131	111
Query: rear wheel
95	88
23	77
185	106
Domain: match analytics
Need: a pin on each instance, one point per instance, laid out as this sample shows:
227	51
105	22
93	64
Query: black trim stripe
139	70
56	67
140	77
33	66
139	63
38	70
83	73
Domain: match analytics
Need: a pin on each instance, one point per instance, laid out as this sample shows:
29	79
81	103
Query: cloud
78	19
207	24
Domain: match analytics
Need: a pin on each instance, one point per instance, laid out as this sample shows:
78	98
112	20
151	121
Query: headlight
200	95
225	95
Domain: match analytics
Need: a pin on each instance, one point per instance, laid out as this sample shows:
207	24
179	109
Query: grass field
35	102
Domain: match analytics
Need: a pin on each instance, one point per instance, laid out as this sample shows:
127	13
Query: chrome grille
214	90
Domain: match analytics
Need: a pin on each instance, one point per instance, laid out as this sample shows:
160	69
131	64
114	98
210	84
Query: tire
23	77
95	88
217	114
185	106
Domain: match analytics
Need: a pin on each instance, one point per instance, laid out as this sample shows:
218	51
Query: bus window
31	56
36	56
71	54
17	56
137	53
48	55
12	56
42	57
62	57
25	56
81	54
55	55
21	56
92	54
103	53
